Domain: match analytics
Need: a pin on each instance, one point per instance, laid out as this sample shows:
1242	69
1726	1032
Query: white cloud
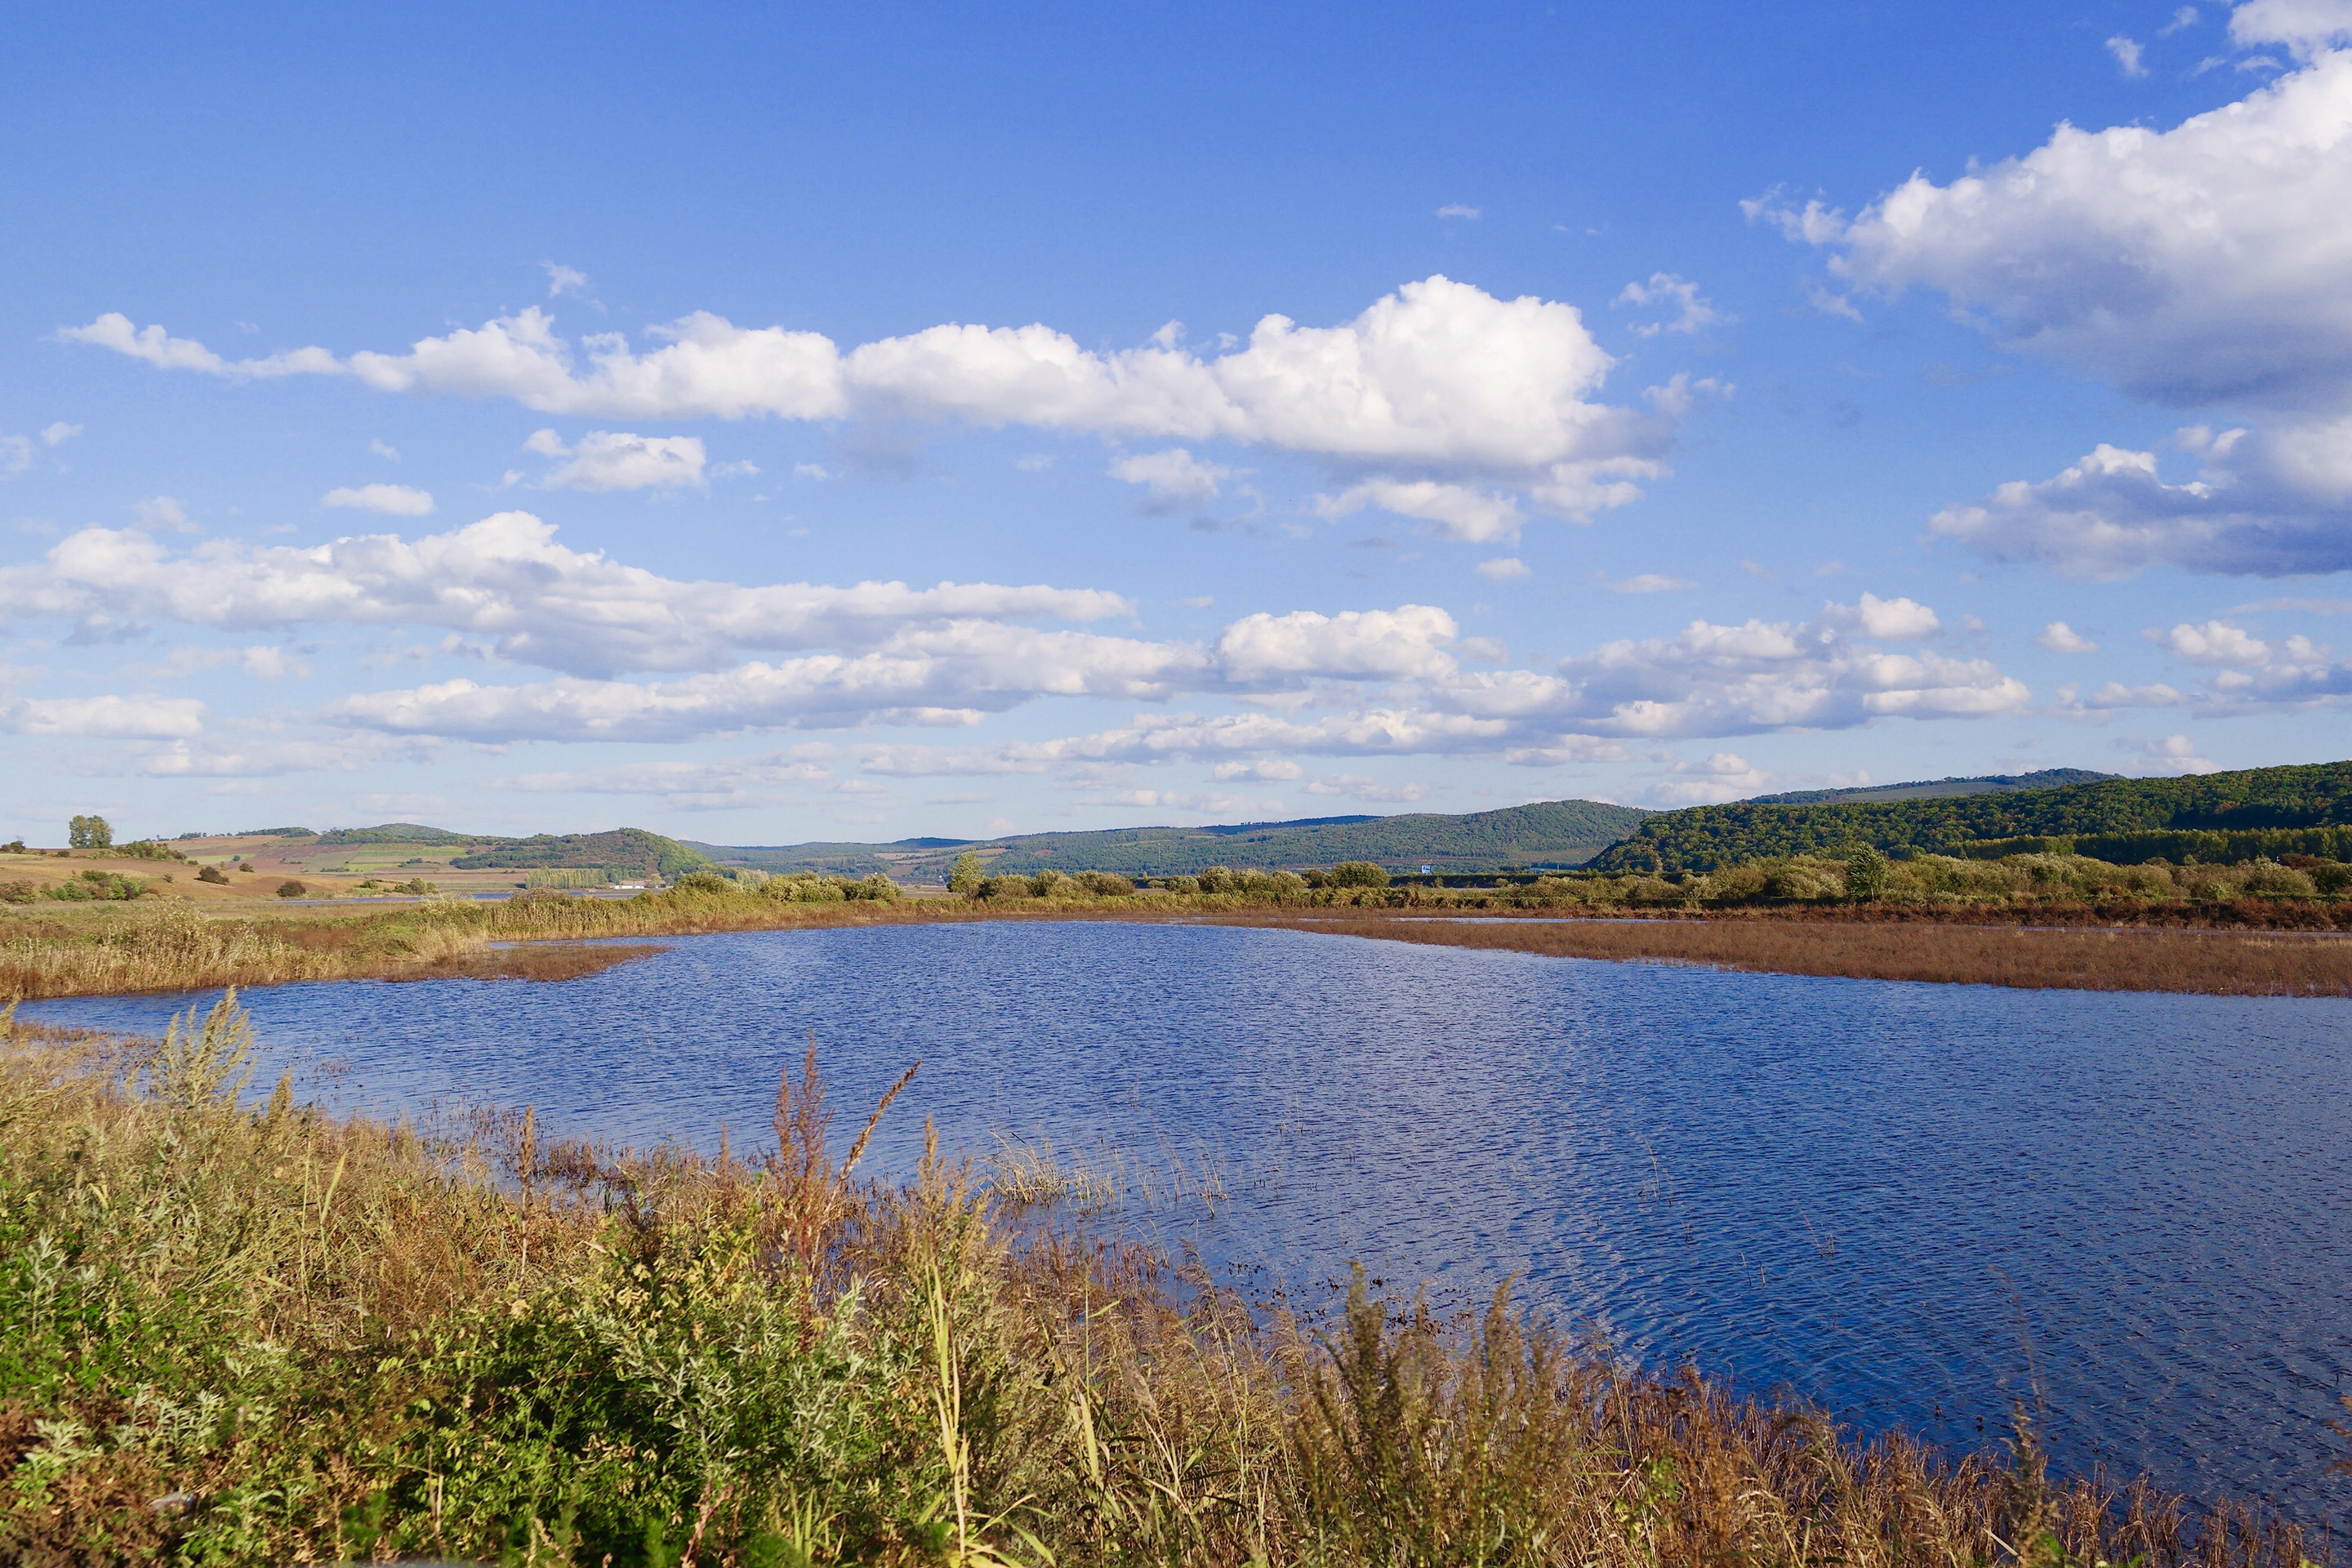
161	511
1438	373
1650	583
1691	313
399	500
59	433
2306	27
2184	16
1724	775
1372	791
2174	755
563	279
1176	480
2203	263
615	460
2127	52
2060	638
383	448
1457	209
506	578
105	718
2214	643
1405	644
694	786
1503	568
1760	676
2265	503
1460	511
272	757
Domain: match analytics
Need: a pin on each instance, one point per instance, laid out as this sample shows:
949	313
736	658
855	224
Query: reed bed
2212	963
237	1330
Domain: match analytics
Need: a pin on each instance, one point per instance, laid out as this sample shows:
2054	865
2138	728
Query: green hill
2216	817
1560	833
396	832
630	850
1934	789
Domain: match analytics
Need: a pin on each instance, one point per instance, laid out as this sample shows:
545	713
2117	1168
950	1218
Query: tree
1866	873
968	873
90	833
1359	874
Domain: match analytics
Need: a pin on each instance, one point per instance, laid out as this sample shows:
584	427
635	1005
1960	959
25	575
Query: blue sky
764	425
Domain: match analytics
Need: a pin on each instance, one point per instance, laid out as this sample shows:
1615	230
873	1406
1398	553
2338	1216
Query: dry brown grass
2213	962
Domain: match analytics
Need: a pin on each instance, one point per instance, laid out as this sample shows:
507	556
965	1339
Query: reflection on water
1907	1201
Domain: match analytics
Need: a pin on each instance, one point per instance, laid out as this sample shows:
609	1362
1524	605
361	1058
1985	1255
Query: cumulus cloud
2265	503
563	279
1405	644
1691	313
59	433
1727	681
2214	643
1459	512
2060	638
506	578
2127	52
399	500
2306	27
1439	375
1175	479
1724	775
2174	755
1372	791
1503	568
104	716
615	460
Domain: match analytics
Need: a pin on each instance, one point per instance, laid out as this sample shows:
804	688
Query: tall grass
236	1333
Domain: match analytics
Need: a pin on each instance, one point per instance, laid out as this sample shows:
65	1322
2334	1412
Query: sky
765	424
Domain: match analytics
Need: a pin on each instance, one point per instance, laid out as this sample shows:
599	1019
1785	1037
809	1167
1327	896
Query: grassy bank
263	1335
158	944
2213	962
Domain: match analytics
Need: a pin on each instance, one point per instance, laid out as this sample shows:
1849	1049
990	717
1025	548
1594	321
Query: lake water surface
1912	1204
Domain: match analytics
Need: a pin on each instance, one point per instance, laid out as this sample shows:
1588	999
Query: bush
876	886
1180	884
90	833
1047	883
14	847
1866	874
2272	880
291	890
148	849
969	871
2331	877
1359	874
1105	884
1216	879
702	882
213	875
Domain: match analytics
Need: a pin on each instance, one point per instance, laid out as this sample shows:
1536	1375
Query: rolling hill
1547	834
2305	808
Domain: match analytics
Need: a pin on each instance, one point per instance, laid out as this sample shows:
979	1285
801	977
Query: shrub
1359	874
749	877
90	833
1180	884
1804	880
703	882
2332	877
878	885
1047	883
1216	879
291	889
213	875
19	892
14	847
2271	879
1105	884
969	871
148	849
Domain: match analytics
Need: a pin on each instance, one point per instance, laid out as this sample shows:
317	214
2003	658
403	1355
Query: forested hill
1558	833
631	849
2212	816
1930	789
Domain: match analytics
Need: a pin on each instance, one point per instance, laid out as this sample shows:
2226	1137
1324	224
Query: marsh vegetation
233	1330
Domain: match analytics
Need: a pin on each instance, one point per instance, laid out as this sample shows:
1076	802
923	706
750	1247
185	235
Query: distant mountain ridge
1934	789
2303	808
1546	833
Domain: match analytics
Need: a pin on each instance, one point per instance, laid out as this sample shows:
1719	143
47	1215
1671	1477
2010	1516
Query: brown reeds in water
243	1334
2216	962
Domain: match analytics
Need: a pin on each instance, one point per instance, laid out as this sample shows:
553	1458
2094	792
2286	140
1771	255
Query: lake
1914	1204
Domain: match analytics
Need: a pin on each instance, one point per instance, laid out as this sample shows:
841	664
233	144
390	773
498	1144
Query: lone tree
1866	873
969	871
90	833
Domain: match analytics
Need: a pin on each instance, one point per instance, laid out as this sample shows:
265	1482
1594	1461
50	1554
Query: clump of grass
1031	1172
250	1334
